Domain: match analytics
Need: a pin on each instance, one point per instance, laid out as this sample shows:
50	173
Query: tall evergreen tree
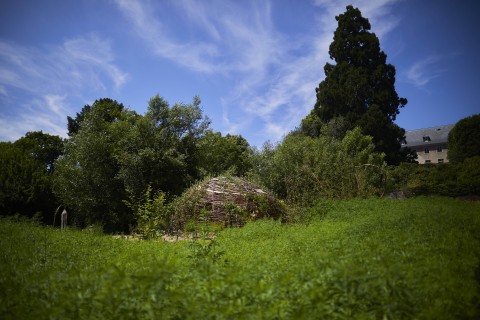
360	87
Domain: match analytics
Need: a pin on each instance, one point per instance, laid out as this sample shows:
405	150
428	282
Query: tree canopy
43	147
26	168
218	154
115	155
463	141
108	109
113	159
359	87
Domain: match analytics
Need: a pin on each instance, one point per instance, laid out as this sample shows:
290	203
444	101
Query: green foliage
20	175
43	147
449	179
114	154
186	212
218	154
160	148
463	139
359	259
311	125
360	87
47	273
263	171
153	215
107	109
25	175
204	250
302	169
86	176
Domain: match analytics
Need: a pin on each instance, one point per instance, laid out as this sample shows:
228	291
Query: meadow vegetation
361	258
338	249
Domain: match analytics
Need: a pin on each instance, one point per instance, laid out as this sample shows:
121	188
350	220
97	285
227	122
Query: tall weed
355	259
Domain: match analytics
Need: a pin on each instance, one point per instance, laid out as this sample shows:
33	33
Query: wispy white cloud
240	35
46	76
81	62
96	55
46	113
274	74
199	14
424	71
148	25
290	92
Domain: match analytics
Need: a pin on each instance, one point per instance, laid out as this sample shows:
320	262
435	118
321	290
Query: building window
440	160
427	150
439	149
428	161
426	139
403	142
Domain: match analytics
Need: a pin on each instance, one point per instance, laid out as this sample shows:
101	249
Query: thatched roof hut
229	201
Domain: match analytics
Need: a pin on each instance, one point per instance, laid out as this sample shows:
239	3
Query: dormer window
426	139
403	142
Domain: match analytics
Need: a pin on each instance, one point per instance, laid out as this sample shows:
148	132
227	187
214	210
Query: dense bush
463	139
449	179
26	168
302	169
152	214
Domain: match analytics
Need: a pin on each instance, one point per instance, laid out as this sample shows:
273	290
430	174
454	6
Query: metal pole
64	219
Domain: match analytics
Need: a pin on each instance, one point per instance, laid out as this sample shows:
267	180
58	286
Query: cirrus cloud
35	82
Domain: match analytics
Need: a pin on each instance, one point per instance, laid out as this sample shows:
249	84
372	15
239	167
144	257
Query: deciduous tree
160	150
218	154
116	154
463	139
86	176
43	147
25	184
106	108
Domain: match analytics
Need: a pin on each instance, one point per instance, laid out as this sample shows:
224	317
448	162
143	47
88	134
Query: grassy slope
377	258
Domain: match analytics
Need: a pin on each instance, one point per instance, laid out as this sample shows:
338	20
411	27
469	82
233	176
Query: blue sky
254	64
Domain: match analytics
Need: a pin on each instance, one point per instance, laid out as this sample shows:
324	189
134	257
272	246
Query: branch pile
229	201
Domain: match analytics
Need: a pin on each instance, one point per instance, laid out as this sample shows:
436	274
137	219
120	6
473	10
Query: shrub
449	179
153	215
462	139
302	169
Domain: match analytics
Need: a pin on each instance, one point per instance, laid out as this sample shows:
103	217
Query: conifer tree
360	86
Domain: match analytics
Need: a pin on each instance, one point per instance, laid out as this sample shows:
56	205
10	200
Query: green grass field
417	258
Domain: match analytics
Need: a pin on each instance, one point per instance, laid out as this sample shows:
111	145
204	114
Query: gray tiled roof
437	135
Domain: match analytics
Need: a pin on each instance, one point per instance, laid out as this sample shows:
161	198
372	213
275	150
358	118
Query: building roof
427	136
